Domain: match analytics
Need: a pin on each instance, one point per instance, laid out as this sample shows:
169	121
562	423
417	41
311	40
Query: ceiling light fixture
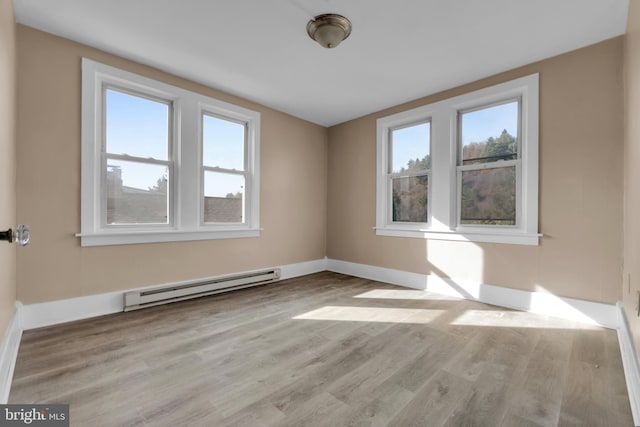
329	29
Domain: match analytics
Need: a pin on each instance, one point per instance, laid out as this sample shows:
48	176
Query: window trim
186	152
444	205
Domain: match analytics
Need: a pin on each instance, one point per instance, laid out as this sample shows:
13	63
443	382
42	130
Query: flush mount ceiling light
329	29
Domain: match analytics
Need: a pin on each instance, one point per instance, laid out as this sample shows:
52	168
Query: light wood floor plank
436	401
539	397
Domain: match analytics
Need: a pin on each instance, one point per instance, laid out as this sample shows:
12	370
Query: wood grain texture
326	350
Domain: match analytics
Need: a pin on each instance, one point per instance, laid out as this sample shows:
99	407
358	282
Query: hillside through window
409	165
463	168
488	163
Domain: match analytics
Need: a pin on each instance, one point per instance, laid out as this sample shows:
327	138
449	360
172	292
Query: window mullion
187	163
441	180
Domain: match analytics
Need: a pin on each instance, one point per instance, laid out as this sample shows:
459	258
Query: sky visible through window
139	127
222	147
413	142
409	143
480	125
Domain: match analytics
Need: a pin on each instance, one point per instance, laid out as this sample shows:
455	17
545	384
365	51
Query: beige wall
7	160
316	181
581	179
54	266
631	276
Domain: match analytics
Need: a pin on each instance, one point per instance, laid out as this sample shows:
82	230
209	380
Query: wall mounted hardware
21	235
7	235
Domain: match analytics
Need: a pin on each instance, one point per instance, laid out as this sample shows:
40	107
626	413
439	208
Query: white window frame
444	182
186	187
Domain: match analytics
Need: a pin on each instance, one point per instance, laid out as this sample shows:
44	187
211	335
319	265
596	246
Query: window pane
410	148
137	193
489	196
136	126
490	134
223	197
222	143
410	199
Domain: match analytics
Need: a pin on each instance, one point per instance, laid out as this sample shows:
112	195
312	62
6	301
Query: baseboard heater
178	292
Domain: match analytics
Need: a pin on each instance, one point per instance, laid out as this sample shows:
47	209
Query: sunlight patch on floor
372	314
515	319
405	294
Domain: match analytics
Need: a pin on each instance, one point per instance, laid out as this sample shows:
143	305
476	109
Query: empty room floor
326	350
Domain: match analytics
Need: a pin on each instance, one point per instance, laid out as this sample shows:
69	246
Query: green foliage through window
489	195
410	198
504	147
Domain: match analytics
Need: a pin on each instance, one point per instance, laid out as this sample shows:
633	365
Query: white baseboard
60	311
67	310
302	268
9	352
630	363
536	302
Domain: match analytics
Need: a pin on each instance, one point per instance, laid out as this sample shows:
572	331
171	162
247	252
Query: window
465	168
487	164
409	165
138	159
160	163
223	168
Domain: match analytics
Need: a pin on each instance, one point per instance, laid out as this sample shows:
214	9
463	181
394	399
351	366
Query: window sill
136	237
514	238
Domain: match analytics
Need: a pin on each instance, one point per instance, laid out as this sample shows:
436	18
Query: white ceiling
398	50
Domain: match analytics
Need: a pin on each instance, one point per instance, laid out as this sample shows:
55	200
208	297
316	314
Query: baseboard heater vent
178	292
